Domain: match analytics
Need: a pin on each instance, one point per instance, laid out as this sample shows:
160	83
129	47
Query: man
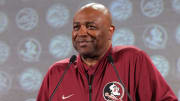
92	77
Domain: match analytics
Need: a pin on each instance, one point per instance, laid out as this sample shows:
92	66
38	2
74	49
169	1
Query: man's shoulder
126	49
63	61
59	64
127	53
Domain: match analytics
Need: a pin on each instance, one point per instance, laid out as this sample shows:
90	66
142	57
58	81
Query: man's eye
76	27
91	27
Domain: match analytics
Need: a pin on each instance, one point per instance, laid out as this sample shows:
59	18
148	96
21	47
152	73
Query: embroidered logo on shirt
113	91
66	97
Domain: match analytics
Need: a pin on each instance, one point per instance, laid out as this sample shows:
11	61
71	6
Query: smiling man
102	73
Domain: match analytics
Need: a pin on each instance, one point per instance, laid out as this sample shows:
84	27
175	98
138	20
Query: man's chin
86	54
84	50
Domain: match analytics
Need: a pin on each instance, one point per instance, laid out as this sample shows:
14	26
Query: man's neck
91	61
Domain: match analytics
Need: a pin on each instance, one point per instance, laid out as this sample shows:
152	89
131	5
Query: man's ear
111	31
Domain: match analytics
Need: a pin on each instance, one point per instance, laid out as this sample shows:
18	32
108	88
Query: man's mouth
83	43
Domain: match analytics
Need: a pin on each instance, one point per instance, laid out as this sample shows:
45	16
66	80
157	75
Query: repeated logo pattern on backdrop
121	9
152	8
155	37
3	21
57	15
29	50
123	36
4	52
32	37
27	19
30	79
161	63
6	82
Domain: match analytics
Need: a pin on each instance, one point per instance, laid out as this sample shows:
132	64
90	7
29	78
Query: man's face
90	35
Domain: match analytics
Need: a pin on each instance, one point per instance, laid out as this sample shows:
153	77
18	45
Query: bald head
98	8
95	6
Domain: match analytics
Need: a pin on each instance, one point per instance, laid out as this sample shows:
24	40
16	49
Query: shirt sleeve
43	94
151	85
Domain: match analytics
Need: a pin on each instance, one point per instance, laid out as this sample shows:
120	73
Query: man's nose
83	30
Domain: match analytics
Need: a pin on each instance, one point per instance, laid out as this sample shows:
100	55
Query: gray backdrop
36	33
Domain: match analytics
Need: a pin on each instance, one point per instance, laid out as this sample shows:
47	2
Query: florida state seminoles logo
113	91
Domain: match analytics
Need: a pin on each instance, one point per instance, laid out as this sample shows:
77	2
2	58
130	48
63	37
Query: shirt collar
91	70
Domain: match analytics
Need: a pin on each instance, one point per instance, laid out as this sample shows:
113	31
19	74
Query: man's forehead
84	17
88	20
